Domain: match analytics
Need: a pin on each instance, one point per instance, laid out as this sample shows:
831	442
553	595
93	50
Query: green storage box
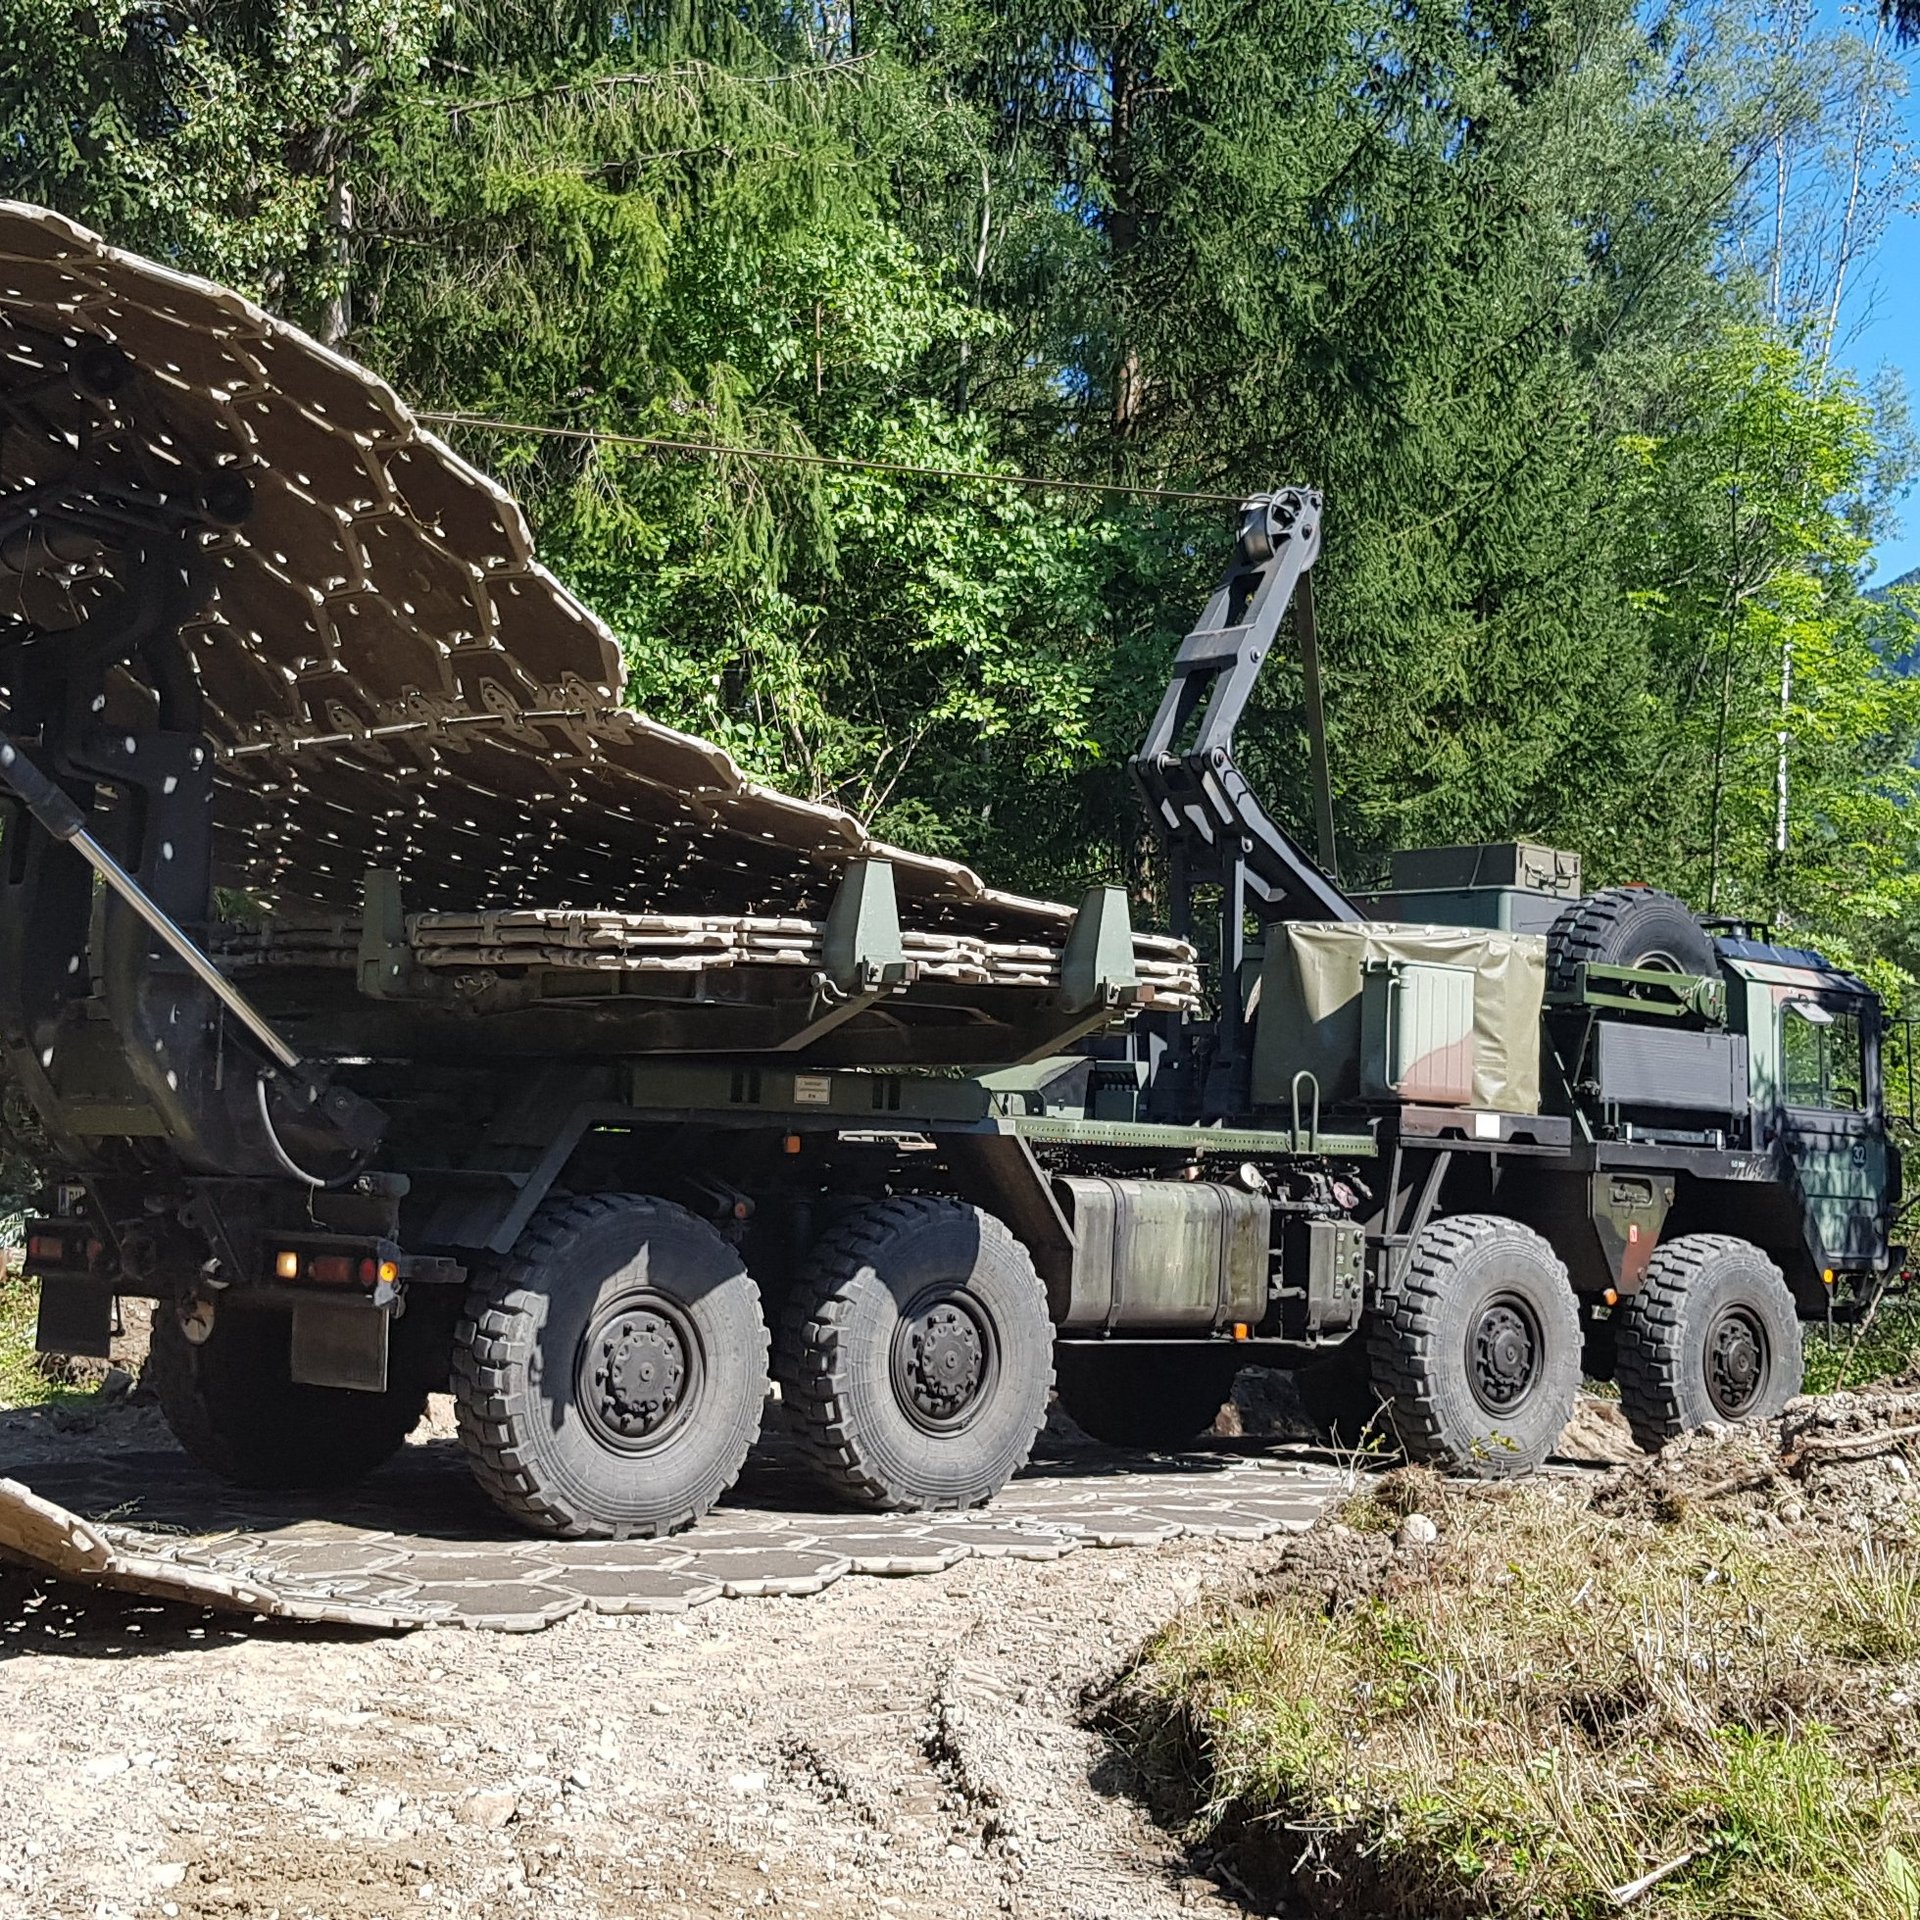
1312	1015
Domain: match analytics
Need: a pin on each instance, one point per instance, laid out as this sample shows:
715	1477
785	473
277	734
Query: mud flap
340	1343
76	1317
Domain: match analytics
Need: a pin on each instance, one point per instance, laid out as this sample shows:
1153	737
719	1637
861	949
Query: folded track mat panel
390	677
640	943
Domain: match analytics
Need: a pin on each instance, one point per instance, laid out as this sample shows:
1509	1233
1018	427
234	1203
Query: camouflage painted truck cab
402	1013
1813	1037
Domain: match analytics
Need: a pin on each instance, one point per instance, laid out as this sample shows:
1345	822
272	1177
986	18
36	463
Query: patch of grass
1858	1356
1385	1499
1875	1596
22	1384
25	1379
1550	1707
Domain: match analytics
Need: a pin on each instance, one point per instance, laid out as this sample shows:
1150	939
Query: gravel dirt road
888	1747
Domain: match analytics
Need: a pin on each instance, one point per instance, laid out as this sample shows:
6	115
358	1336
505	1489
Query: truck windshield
1823	1057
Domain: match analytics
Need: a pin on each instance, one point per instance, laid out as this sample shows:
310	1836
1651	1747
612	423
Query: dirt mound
1837	1460
1343	1566
1431	1711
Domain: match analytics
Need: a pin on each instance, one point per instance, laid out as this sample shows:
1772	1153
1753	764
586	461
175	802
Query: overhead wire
659	443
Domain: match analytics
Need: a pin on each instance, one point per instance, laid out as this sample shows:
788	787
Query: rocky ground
886	1748
889	1747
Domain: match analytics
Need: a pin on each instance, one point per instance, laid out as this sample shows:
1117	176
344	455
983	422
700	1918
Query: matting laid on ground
418	1546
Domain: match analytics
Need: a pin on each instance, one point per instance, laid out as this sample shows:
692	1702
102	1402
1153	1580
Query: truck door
1833	1123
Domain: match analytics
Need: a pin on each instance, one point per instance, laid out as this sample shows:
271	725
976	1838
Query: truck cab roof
1762	960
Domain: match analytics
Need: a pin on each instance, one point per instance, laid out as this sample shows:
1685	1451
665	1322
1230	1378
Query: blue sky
1884	317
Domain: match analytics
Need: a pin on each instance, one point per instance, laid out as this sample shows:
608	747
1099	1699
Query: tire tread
495	1334
300	1446
1406	1319
1583	931
1652	1327
810	1349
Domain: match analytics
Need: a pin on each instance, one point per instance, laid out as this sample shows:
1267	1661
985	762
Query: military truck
401	1013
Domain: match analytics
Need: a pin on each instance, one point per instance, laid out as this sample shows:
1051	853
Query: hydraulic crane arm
1201	805
1216	832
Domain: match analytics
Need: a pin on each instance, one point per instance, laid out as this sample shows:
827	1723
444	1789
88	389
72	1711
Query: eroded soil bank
1684	1686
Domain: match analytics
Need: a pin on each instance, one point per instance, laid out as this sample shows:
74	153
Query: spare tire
1628	927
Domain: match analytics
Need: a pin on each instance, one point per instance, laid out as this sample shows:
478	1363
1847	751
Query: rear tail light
64	1252
340	1269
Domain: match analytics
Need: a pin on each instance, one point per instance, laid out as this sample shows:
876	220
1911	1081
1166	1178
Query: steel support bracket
830	1010
861	946
1650	991
385	961
1098	968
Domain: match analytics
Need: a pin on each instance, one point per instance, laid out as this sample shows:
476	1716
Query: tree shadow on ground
44	1617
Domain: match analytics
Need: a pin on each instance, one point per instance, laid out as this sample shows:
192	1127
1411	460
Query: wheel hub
1737	1363
941	1362
1503	1355
636	1367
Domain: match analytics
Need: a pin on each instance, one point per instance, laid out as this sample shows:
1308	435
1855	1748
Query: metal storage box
1505	909
1513	863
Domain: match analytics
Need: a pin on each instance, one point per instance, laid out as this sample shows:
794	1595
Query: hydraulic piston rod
57	813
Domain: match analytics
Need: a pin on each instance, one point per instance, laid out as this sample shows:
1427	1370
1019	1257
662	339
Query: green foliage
22	1383
211	136
1745	515
1884	1348
1487	277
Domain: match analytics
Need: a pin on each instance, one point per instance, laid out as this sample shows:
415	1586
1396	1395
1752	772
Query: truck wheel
1711	1335
915	1355
608	1377
233	1405
1476	1347
1156	1398
1628	927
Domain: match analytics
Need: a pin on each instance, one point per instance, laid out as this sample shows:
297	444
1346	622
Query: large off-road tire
609	1376
1475	1345
1712	1334
233	1404
1628	927
1158	1398
915	1355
